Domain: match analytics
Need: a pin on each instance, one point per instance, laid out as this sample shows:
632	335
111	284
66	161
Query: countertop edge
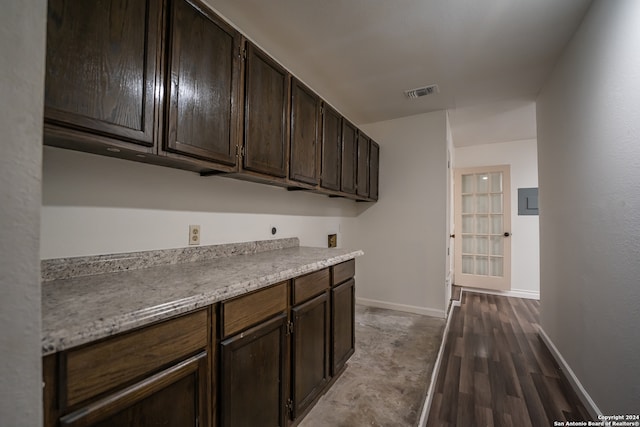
66	339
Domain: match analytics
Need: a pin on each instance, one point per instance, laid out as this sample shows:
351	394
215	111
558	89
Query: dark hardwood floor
497	372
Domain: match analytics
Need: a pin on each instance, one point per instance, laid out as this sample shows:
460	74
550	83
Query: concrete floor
386	379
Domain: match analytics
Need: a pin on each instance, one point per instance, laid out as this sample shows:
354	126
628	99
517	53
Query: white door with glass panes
483	227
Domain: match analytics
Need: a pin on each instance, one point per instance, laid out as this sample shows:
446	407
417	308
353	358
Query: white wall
522	156
500	121
589	160
97	205
404	234
22	47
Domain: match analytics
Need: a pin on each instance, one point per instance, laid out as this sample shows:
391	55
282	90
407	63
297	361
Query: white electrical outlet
194	234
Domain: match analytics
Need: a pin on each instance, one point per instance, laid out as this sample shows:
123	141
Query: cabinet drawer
310	285
343	271
247	310
100	367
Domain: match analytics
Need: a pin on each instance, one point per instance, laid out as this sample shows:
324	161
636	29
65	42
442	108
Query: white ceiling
487	56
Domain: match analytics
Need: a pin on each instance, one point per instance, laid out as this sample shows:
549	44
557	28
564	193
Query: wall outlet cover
194	235
332	240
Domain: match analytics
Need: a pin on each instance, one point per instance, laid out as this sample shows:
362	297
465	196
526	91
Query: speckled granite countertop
77	310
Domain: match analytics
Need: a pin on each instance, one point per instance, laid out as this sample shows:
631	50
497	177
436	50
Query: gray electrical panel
528	201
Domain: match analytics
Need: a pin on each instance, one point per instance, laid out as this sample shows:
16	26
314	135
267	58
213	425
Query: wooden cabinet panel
265	114
126	357
252	375
310	352
50	390
174	397
204	82
349	157
331	149
102	62
342	325
363	165
248	310
310	285
343	271
374	170
305	118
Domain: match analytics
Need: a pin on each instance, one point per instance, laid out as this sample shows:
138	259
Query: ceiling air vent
422	91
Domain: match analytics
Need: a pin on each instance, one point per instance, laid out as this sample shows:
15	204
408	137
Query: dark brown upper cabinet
102	64
305	126
349	157
265	114
374	170
362	184
331	148
203	85
170	83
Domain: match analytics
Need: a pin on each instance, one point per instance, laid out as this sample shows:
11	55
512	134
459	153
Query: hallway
497	372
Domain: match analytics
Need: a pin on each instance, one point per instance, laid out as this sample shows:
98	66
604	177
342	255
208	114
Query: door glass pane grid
467	184
482	224
483	265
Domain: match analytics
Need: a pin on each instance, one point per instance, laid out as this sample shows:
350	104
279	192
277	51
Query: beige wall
522	156
97	205
589	161
404	234
22	47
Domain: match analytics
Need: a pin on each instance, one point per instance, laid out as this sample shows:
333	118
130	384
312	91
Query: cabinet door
102	67
363	165
174	397
331	148
265	114
374	170
349	157
342	324
305	110
252	375
204	82
310	358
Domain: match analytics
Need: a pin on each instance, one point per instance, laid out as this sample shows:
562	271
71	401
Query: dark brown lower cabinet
174	397
159	375
252	375
276	351
310	352
342	323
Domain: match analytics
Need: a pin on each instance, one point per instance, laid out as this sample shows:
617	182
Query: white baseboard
584	397
401	307
426	407
516	293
